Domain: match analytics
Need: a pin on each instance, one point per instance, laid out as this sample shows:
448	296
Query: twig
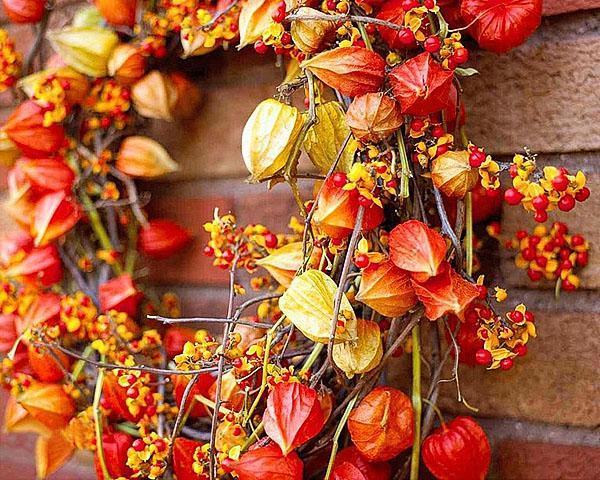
336	436
76	274
446	227
98	424
39	38
416	401
171	321
218	16
344	18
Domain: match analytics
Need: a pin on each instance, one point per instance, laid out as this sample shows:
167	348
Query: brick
555	7
534	95
580	220
189	266
535	461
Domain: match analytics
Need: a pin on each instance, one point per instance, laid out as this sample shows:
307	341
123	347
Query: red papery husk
293	415
381	426
44	310
41	265
25	127
175	338
447	292
393	12
55	214
162	238
501	25
46	175
117	12
336	211
421	85
352	71
202	387
115	446
119	294
466	338
416	248
114	398
45	364
457	451
24	11
48	403
486	204
266	463
8	331
183	458
13	243
351	465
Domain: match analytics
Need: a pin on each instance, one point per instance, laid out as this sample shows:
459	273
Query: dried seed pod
373	117
453	175
310	35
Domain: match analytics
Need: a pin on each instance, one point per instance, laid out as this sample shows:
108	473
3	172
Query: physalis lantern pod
364	354
48	403
452	174
54	215
447	292
373	117
308	303
310	35
458	450
382	425
144	157
500	26
293	415
255	17
269	136
386	289
352	71
266	463
421	85
418	249
183	458
52	452
284	262
351	465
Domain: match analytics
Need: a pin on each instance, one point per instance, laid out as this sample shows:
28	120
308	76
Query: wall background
544	415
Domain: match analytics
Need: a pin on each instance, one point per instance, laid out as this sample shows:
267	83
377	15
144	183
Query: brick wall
543	415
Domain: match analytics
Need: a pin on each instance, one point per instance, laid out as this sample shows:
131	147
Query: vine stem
343	18
469	232
338	433
417	402
98	423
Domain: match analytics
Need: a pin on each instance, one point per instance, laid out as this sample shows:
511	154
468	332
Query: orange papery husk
47	403
45	364
76	85
55	215
155	96
421	85
119	294
115	445
202	387
13	243
46	174
336	211
126	64
447	292
392	12
44	310
351	465
386	289
20	204
25	127
8	331
266	463
183	458
52	452
42	265
232	396
175	338
114	398
352	71
189	96
416	248
293	415
373	117
453	175
144	157
381	426
117	12
19	420
24	11
161	238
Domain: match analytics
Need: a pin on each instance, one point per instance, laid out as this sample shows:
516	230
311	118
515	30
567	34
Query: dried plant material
453	175
362	355
310	35
144	157
373	117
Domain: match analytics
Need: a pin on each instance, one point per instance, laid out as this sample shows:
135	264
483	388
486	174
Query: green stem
78	368
98	422
404	167
129	429
310	360
338	433
131	255
365	36
416	400
469	232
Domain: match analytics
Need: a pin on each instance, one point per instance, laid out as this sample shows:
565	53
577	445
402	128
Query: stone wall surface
543	416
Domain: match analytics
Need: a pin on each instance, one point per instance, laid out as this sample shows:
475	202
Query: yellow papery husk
452	174
86	49
144	157
325	138
364	354
269	137
78	83
284	262
310	35
155	96
51	453
255	17
308	304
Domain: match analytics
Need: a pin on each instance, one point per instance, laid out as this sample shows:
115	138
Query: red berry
429	4
417	125
227	255
476	158
541	261
566	203
513	170
364	201
582	195
279	14
529	316
540	202
105	122
138	445
261	47
482	292
438	131
506	364
483	357
528	254
150	410
286	38
485	313
160	444
132	392
512	196
560	183
534	275
270	240
577	240
521	234
566	265
516	316
560	228
331	4
567	286
209	251
520	350
540	216
339	179
460	56
406	37
432	44
409	5
361	260
582	259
